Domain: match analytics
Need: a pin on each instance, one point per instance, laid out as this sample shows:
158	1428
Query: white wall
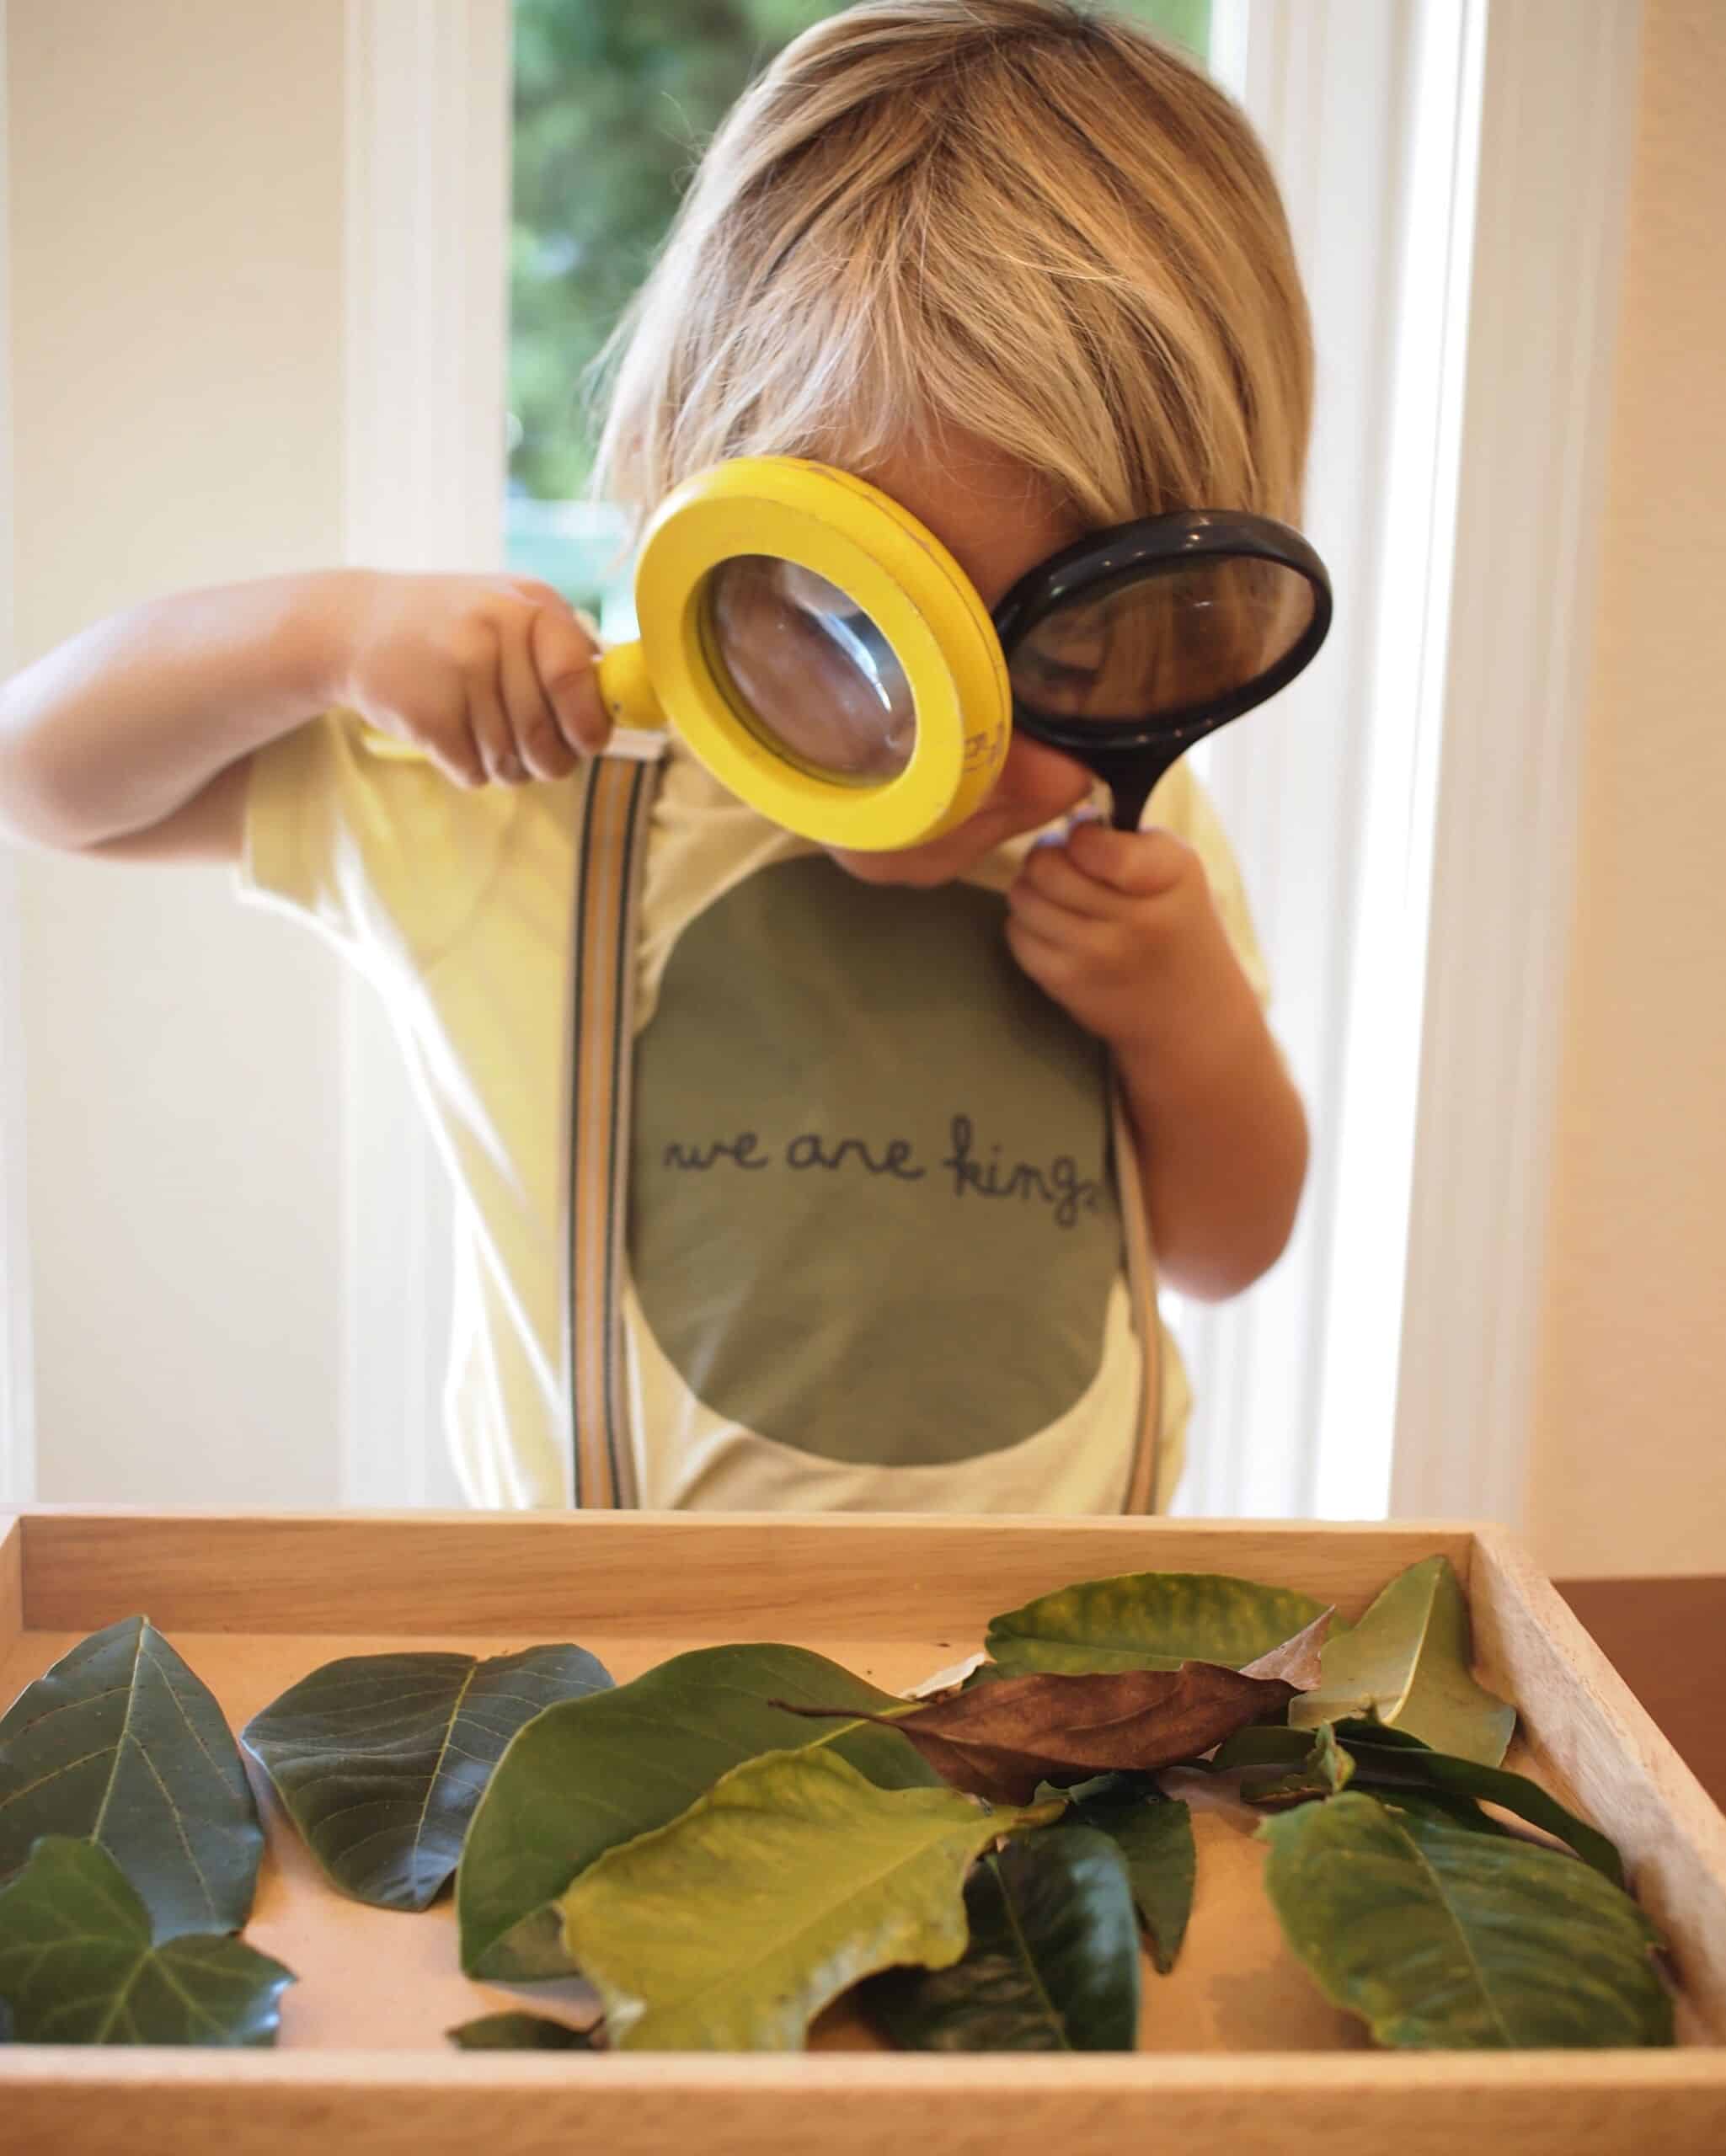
177	229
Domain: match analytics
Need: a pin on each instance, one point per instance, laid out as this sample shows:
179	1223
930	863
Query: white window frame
1458	414
428	159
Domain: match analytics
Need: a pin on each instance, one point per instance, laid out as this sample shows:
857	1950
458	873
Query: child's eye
1039	676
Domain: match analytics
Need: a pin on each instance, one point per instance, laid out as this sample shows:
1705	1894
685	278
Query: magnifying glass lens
808	669
1162	642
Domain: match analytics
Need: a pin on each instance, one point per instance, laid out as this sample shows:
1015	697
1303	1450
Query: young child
1026	272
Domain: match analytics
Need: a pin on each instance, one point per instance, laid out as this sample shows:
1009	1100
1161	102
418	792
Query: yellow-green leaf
793	1877
1408	1661
585	1775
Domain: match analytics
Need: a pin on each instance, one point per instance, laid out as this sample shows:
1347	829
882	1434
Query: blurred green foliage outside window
614	101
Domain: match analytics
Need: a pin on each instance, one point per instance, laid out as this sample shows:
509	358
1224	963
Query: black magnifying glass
1133	644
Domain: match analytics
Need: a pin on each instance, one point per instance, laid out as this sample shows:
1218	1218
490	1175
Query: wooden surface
1666	1638
362	2068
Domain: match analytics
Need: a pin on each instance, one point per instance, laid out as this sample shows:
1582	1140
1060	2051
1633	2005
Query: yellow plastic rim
902	578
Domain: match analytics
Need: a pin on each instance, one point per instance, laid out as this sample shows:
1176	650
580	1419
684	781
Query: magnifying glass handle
638	724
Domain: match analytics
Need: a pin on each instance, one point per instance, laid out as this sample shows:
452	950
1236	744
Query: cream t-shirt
875	1246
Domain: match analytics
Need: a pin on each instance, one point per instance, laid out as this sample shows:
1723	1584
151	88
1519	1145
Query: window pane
612	103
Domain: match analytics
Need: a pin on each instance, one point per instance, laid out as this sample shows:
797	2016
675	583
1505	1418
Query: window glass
612	103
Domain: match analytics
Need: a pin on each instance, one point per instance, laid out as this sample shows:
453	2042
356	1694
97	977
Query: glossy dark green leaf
1149	1620
120	1742
1052	1964
589	1775
788	1881
1391	1762
1440	1938
525	2032
1154	1834
1433	1804
1387	1767
379	1760
1409	1662
79	1963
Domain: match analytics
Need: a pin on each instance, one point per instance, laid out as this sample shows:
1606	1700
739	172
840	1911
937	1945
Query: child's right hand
492	677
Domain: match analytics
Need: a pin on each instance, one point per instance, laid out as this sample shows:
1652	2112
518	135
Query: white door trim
17	1434
1557	148
427	230
1456	173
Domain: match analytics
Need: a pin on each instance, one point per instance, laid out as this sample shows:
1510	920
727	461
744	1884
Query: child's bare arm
1119	928
133	740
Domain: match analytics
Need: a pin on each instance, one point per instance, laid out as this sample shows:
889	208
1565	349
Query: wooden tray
1239	2050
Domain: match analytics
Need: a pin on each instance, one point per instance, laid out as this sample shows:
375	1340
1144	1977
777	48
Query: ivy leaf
79	1963
1003	1739
516	2031
379	1760
120	1742
1408	1661
1154	1834
1149	1620
1439	1938
1053	1962
793	1878
593	1772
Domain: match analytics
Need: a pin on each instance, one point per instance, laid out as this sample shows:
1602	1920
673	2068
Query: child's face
997	523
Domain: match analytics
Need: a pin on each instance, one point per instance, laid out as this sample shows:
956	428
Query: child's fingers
1094	937
539	739
563	657
1050	869
1139	863
493	735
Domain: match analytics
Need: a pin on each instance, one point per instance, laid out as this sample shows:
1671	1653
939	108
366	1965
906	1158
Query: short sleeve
1181	805
377	849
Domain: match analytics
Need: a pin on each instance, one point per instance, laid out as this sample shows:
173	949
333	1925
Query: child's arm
133	738
1119	928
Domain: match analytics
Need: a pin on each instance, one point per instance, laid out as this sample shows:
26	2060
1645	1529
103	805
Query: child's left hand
1119	927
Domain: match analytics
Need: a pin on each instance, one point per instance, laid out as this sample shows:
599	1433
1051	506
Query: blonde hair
1009	217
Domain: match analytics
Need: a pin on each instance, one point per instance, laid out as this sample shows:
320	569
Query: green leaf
1408	1661
379	1760
1053	1962
1433	1804
515	2031
584	1776
1154	1834
120	1742
1440	1938
1149	1620
731	1928
1395	1767
79	1963
1392	1764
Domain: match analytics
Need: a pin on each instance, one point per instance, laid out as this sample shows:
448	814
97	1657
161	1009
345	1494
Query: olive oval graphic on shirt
870	1208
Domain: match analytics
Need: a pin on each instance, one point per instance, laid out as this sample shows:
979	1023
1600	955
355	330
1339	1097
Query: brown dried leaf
1297	1658
1001	1740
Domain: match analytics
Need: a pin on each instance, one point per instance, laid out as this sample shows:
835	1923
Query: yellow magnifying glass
819	651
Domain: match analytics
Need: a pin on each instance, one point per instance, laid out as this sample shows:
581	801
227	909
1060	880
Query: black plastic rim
1160	546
